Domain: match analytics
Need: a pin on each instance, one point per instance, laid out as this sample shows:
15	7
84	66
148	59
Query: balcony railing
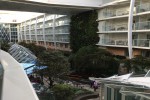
143	8
62	39
140	8
113	13
142	25
141	42
122	27
124	42
114	42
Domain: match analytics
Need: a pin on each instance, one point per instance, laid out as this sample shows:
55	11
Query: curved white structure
130	23
14	83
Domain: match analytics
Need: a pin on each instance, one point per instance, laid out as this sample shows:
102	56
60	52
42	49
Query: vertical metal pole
44	32
21	33
54	37
25	32
130	22
9	26
30	31
18	32
36	31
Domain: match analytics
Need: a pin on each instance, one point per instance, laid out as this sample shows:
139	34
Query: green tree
138	64
33	47
57	64
91	60
83	30
5	46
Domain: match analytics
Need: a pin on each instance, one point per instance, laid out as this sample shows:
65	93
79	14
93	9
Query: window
108	93
117	95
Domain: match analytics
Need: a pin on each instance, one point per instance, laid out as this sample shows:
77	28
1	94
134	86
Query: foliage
67	92
83	28
63	91
57	64
91	60
34	48
138	64
5	46
50	63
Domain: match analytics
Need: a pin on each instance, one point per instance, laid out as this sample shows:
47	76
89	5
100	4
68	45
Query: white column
18	32
123	97
44	32
112	93
21	33
30	31
25	30
130	22
9	32
54	37
36	31
105	92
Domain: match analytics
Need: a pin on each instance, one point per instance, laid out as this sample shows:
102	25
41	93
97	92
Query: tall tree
83	30
138	64
92	60
57	64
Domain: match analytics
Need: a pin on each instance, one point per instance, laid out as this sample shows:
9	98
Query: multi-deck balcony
124	42
141	26
124	12
114	42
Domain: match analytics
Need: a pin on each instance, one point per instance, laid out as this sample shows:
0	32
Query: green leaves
56	62
5	46
139	64
92	60
83	30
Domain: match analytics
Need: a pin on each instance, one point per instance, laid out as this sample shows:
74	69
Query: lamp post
130	22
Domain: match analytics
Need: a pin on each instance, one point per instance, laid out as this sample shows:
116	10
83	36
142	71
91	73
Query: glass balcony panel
141	42
142	25
124	42
143	8
114	42
113	13
122	27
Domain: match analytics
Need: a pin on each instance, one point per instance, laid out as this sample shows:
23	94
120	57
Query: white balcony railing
142	25
62	39
113	42
124	27
124	42
139	8
113	13
141	42
143	7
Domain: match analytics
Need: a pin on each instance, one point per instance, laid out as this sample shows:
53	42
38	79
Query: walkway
87	87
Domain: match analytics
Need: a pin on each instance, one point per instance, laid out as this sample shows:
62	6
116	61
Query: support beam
130	22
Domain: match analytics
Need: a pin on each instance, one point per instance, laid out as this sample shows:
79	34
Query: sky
16	16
